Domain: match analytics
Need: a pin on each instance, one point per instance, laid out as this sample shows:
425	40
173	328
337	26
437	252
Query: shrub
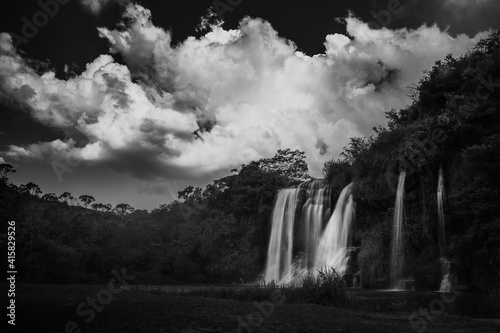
327	287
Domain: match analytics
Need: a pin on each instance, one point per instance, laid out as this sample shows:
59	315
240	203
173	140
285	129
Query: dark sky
70	39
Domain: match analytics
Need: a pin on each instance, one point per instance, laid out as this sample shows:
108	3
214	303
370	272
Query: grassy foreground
49	308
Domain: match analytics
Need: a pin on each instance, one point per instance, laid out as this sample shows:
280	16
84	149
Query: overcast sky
133	101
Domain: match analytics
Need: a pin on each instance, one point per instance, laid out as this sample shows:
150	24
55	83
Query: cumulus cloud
230	96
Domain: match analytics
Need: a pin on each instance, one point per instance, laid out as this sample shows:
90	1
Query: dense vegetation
216	234
220	233
453	122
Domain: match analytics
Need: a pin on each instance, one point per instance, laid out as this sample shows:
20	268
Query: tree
489	44
101	208
288	163
86	199
72	200
51	197
186	193
6	169
228	243
355	147
337	173
31	188
65	197
123	209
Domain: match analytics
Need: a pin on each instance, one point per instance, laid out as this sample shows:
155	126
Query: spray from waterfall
397	258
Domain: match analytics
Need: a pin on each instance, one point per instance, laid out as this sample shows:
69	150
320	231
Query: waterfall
313	217
445	264
397	258
332	248
315	245
441	230
279	254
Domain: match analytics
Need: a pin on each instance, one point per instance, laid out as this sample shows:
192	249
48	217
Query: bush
327	287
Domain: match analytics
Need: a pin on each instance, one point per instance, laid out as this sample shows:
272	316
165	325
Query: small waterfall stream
443	258
397	258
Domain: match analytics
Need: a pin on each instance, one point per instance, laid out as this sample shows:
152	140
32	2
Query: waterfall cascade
315	244
279	254
315	212
306	236
397	258
332	247
443	258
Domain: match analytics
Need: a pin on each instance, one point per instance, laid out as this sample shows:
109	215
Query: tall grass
325	287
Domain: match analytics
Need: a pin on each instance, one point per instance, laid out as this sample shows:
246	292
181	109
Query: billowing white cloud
228	97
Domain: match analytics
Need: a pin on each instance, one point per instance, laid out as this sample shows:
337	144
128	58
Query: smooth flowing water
306	210
397	258
332	248
443	258
279	254
440	208
315	212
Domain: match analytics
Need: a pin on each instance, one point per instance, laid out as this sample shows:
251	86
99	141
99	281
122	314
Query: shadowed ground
48	308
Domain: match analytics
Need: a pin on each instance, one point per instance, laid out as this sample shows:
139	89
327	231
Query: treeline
87	201
215	234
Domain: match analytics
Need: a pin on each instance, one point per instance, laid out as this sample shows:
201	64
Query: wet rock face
407	285
382	284
352	261
427	275
353	280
